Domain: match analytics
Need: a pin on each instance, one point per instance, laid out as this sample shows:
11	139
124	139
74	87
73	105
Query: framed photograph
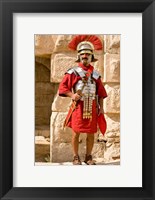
53	59
22	23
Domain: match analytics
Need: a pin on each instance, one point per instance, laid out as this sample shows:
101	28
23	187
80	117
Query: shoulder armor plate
96	74
77	71
80	71
71	71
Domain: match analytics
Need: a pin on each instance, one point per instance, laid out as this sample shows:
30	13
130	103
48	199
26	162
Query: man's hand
101	106
75	97
101	111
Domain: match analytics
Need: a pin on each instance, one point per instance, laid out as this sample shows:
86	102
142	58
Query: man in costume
83	85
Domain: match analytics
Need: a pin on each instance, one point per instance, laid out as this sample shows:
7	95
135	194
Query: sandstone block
61	104
113	127
60	63
62	152
61	43
42	149
112	102
112	44
42	73
44	88
44	45
43	61
99	65
112	153
57	133
98	150
113	122
117	140
111	134
42	115
112	68
42	131
44	100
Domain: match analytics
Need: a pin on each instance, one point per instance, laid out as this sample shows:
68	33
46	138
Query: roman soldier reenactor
83	84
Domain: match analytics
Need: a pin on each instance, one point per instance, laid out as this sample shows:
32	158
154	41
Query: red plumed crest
96	42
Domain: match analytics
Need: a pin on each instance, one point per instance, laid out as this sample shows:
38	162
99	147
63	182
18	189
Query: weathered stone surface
98	150
44	45
42	131
60	63
112	152
57	133
41	140
113	122
112	102
42	115
101	137
62	152
44	61
112	44
99	65
42	73
42	148
62	43
112	68
113	127
61	104
42	88
44	100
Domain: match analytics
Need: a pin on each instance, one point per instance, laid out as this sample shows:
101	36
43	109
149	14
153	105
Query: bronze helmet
85	47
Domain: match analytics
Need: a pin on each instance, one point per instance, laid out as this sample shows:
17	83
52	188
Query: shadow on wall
44	96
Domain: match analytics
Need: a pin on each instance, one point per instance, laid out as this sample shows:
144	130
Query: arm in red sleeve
67	84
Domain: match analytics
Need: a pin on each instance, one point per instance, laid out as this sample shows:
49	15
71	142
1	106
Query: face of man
85	59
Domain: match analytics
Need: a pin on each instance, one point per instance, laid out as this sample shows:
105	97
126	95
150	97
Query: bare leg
75	142
89	147
75	145
89	144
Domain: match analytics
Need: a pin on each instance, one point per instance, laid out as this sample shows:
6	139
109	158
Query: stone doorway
44	95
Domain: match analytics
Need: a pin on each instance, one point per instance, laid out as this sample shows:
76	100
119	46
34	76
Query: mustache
84	58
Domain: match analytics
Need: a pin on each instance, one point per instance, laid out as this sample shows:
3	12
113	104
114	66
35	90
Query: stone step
42	149
42	131
42	153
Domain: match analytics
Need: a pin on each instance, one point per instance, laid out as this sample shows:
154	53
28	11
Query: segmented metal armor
87	86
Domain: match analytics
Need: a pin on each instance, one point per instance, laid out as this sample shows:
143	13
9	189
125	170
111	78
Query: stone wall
112	102
54	47
44	94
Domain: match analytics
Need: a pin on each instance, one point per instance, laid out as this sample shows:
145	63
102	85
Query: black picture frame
7	8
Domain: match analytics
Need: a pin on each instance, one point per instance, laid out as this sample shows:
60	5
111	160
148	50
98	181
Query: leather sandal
76	160
89	161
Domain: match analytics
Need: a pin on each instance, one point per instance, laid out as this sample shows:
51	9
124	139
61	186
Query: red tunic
77	123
